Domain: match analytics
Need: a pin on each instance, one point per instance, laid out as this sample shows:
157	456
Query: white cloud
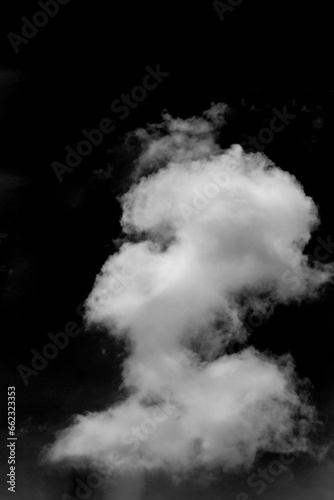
177	296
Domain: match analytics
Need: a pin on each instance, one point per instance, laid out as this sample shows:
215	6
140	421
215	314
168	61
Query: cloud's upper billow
209	234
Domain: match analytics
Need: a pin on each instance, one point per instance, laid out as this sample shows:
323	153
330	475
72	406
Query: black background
264	55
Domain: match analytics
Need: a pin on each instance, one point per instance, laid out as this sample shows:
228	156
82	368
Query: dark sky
55	236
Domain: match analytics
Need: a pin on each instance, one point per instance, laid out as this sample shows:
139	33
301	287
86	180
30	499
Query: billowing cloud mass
208	235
